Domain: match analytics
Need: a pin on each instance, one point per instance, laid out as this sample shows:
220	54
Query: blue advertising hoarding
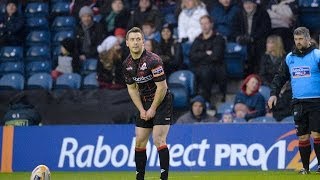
200	147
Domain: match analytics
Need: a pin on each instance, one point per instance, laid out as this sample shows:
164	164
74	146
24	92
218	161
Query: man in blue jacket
302	67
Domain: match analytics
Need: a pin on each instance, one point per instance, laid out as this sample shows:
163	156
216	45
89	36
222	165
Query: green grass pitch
224	175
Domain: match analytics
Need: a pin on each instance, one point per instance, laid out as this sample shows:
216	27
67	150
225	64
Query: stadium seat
37	23
265	92
263	119
90	81
2	9
97	18
60	35
226	106
11	53
37	9
38	53
89	66
60	9
180	96
63	23
12	67
185	78
288	119
234	57
40	80
40	38
68	81
37	67
12	81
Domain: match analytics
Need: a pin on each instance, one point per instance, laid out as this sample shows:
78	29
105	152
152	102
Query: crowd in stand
187	34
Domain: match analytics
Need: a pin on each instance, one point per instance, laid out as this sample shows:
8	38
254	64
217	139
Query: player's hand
272	101
151	113
143	114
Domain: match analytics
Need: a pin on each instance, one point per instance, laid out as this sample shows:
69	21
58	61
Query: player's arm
158	98
135	96
278	81
160	94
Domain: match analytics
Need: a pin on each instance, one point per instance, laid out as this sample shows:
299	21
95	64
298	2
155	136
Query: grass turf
225	175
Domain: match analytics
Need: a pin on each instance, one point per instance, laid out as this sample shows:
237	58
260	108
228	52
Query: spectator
11	26
109	68
168	9
252	27
283	15
171	51
189	19
76	5
67	62
21	112
197	112
121	36
150	32
271	60
152	46
146	12
116	18
88	35
249	103
224	15
206	56
227	117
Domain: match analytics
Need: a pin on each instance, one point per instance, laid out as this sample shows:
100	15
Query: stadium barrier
200	147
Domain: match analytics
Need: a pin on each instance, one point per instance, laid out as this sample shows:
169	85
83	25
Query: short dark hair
134	30
208	17
302	31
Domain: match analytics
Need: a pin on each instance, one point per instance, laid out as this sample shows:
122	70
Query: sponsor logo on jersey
142	79
143	67
300	72
158	71
129	68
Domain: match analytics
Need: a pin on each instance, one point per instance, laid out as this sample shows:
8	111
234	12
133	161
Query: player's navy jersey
144	71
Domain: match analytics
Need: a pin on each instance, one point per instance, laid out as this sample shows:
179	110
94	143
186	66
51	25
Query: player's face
252	84
135	42
301	42
197	108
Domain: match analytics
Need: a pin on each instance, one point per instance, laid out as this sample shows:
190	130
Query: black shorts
163	114
306	117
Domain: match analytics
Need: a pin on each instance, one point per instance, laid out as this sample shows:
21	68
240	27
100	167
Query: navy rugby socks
316	143
164	161
140	158
305	151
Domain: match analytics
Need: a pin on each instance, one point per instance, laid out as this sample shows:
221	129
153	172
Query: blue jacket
224	19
